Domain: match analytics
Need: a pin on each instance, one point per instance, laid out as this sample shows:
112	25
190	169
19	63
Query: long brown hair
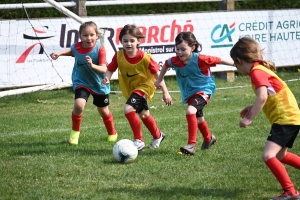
248	49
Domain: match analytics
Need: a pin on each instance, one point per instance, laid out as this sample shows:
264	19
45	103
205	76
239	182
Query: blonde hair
248	49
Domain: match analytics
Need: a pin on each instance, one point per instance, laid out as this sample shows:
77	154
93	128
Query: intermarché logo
224	39
24	55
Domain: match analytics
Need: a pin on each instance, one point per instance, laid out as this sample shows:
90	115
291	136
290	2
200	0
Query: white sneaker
156	142
139	144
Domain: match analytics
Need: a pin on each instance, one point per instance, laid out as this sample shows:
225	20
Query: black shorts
198	102
99	100
138	102
284	135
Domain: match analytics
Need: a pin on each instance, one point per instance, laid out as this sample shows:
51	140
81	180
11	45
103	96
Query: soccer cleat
206	145
286	195
74	137
139	144
189	149
156	142
112	138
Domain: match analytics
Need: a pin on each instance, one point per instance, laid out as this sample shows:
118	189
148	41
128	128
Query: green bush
143	8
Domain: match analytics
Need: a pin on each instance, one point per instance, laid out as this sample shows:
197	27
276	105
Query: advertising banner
25	45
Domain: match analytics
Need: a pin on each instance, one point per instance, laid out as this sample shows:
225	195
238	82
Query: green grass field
37	163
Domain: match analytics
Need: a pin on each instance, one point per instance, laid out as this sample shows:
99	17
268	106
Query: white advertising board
25	46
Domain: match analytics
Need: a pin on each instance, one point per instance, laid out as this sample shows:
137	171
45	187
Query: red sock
109	124
151	126
292	160
76	122
135	125
192	128
203	127
280	173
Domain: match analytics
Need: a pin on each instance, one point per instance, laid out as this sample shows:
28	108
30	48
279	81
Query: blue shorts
99	100
284	135
138	102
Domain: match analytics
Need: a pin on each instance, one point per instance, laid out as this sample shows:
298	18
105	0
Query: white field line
123	122
47	131
176	91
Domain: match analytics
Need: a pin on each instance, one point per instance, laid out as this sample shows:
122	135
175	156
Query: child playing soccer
136	73
88	73
196	84
274	97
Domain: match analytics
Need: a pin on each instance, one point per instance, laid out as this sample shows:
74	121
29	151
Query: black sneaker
206	145
189	149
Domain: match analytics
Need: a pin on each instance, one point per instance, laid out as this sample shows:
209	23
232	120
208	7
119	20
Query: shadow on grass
62	147
170	192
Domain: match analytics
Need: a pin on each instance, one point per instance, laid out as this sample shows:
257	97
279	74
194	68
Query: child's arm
160	78
99	68
227	62
55	55
250	112
107	77
166	96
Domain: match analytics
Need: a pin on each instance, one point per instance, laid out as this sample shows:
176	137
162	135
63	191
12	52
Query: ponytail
268	64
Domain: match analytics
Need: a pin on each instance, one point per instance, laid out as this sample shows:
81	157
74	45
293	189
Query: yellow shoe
74	137
112	138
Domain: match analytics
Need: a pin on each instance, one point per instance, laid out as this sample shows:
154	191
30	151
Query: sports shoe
139	144
287	195
189	149
74	137
206	145
112	138
156	142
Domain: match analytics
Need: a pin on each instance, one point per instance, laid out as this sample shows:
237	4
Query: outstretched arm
227	62
55	55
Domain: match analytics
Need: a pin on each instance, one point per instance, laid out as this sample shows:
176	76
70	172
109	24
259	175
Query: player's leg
151	125
131	107
81	97
208	138
280	138
102	102
190	148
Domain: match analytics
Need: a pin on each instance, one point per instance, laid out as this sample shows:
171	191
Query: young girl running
279	105
88	73
196	84
136	72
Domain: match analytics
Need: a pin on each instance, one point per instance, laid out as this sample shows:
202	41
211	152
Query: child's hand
54	55
245	111
105	81
244	123
89	61
167	99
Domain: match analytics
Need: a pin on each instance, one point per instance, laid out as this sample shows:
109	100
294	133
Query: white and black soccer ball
125	151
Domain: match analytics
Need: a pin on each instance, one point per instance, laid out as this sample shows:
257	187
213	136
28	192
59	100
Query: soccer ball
125	151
